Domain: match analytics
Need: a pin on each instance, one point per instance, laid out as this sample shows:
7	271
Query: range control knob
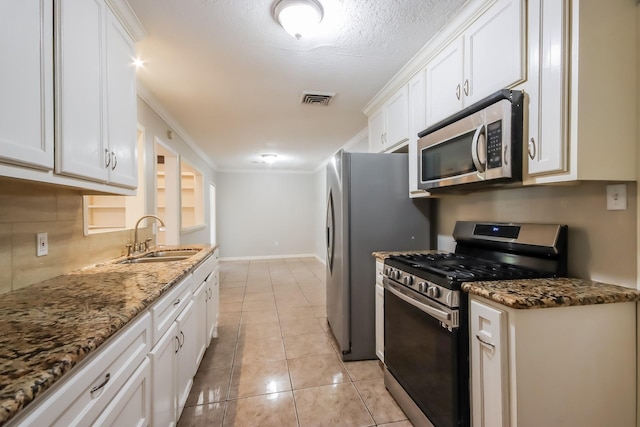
408	280
387	271
395	274
422	287
433	292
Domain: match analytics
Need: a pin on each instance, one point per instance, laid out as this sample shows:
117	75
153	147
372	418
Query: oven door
425	355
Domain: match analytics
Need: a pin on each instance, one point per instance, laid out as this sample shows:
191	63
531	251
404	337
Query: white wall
154	127
266	214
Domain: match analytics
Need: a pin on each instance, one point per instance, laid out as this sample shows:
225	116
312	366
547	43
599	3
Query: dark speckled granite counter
543	293
49	327
547	293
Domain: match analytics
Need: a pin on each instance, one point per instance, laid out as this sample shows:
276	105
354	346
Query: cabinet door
376	131
489	375
213	305
397	118
417	123
444	82
187	354
26	103
548	103
201	299
80	148
121	104
163	373
380	322
132	405
494	52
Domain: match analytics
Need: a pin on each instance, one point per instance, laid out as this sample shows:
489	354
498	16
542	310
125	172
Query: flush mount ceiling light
298	17
269	158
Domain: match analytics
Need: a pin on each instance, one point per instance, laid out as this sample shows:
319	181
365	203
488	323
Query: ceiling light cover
269	158
298	17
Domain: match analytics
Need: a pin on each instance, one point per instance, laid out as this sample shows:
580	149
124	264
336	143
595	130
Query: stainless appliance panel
373	212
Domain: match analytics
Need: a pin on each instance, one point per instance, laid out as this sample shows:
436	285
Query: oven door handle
437	313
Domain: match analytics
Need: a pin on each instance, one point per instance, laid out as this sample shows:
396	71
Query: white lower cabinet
94	388
132	406
164	378
489	361
566	366
186	355
379	311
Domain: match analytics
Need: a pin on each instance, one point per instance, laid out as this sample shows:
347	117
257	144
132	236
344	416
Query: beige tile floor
275	362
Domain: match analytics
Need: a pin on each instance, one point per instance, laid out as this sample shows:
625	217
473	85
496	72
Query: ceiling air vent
317	98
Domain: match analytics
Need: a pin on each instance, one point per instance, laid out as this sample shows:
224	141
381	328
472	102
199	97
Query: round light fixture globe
297	17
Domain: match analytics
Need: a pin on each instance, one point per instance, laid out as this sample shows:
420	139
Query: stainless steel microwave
481	145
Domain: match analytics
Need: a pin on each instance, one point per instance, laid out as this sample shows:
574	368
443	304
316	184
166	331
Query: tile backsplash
28	208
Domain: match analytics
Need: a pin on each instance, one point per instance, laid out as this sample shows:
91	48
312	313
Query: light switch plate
617	197
42	244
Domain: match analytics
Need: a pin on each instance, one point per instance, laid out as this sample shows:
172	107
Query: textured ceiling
232	78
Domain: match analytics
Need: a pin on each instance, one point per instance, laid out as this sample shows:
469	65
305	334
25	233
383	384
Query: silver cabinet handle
458	92
531	148
104	383
485	343
182	335
107	158
177	302
178	346
466	87
115	161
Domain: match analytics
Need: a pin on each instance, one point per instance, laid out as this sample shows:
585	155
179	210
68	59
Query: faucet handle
129	249
147	243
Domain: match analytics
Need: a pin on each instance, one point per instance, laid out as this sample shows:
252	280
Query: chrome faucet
140	246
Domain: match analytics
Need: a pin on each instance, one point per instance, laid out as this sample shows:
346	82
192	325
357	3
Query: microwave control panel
494	145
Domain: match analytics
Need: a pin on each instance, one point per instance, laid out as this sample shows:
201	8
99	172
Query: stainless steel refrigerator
368	209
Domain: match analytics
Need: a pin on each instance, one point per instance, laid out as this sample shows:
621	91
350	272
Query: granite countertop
541	293
547	293
49	327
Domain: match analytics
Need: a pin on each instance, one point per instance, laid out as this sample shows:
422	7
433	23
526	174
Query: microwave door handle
474	151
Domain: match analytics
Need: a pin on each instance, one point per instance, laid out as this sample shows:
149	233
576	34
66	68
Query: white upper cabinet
486	57
389	126
26	86
121	104
417	123
548	74
444	82
96	133
80	146
494	51
583	91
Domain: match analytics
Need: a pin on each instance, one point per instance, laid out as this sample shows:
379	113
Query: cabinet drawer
165	311
82	397
132	406
203	271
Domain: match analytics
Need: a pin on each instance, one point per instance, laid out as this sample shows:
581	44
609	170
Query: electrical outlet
42	244
617	197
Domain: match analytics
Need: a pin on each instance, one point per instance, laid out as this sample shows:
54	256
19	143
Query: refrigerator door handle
330	231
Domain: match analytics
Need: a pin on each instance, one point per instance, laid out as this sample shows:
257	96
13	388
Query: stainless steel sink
171	253
145	260
165	255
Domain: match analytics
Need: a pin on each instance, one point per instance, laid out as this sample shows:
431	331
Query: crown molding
147	96
128	18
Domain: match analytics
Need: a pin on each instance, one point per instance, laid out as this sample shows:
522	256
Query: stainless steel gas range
425	312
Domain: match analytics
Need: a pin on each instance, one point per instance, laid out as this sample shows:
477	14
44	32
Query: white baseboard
322	260
267	257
